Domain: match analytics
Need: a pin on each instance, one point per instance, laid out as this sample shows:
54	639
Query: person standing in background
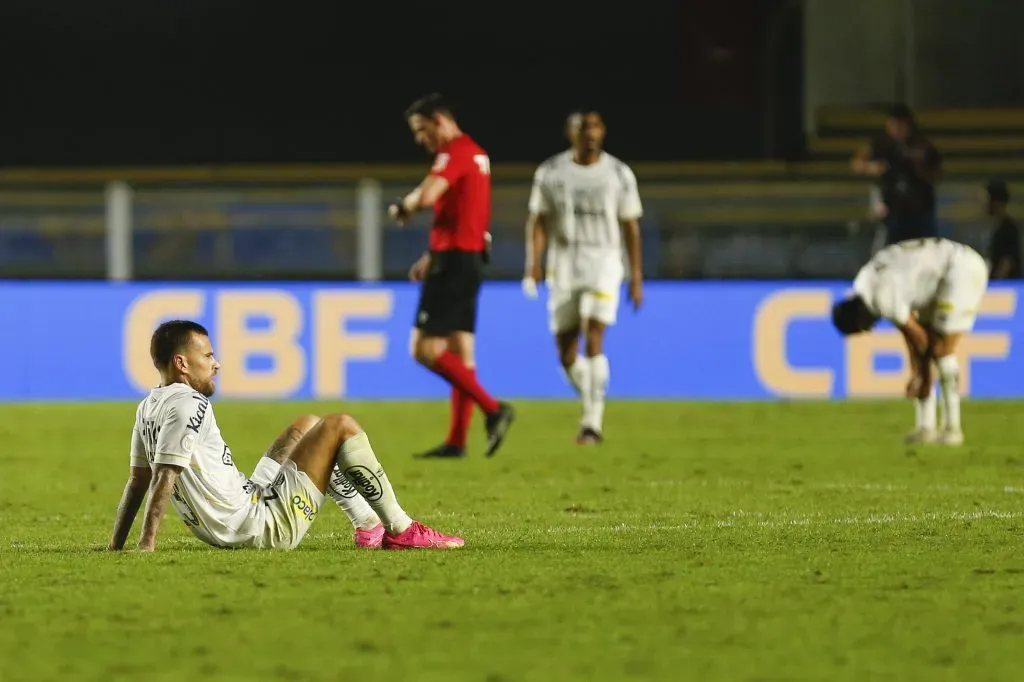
907	166
1004	249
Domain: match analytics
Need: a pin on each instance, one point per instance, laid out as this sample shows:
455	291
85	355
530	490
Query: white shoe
921	436
951	437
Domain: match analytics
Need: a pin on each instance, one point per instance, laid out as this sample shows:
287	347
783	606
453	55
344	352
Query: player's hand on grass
636	292
419	269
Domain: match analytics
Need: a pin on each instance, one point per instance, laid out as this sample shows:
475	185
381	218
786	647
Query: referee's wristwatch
485	255
397	209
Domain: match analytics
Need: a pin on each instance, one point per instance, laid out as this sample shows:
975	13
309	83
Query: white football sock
578	374
925	412
360	466
949	380
600	371
360	514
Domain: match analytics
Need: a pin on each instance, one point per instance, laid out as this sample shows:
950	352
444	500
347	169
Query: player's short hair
170	338
430	105
851	316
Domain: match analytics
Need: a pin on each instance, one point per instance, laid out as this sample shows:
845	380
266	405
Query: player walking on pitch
930	289
179	456
582	202
458	189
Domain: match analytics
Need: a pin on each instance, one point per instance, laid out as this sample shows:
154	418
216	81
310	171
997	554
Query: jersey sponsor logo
483	163
366	482
304	507
441	162
196	420
226	457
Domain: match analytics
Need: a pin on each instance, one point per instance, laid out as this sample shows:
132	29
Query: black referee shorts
449	295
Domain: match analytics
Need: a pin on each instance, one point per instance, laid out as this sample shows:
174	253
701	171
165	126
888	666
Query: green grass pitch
761	541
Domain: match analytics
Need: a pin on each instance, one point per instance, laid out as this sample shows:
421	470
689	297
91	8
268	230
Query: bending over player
930	289
179	456
581	203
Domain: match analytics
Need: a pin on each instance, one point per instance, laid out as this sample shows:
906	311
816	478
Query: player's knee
949	368
428	350
305	423
342	425
595	340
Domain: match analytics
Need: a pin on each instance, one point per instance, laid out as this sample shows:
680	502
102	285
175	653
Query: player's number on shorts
483	162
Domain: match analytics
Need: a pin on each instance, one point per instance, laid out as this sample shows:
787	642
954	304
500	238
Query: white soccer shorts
567	309
960	294
291	504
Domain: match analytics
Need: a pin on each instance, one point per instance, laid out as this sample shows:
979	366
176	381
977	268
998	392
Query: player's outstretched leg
368	531
339	440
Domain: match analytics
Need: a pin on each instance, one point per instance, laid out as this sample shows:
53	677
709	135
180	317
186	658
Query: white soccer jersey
584	206
930	277
176	425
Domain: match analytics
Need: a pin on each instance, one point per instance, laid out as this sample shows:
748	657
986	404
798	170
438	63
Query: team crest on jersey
441	162
188	443
226	457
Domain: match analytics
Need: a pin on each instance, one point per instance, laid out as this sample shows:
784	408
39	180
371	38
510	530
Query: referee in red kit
458	188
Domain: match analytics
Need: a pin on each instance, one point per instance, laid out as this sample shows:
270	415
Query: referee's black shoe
442	451
497	426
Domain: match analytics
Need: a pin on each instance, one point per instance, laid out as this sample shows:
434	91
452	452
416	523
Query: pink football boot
369	539
418	536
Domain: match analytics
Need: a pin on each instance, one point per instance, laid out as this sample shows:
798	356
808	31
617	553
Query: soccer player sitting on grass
179	456
930	289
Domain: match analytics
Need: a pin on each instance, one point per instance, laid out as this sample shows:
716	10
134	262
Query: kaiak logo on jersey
196	420
366	482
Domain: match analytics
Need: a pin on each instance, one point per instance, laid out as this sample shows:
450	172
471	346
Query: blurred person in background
457	189
1004	249
584	204
907	166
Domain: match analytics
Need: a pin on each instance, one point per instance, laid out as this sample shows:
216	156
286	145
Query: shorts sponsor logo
303	506
366	482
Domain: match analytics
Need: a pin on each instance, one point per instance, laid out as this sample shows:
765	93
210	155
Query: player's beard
207	387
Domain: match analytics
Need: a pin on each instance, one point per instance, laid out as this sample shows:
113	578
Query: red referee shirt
463	213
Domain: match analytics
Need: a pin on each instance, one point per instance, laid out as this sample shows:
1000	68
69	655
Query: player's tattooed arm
164	478
131	499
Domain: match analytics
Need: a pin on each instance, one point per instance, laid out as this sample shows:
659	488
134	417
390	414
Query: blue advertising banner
691	340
